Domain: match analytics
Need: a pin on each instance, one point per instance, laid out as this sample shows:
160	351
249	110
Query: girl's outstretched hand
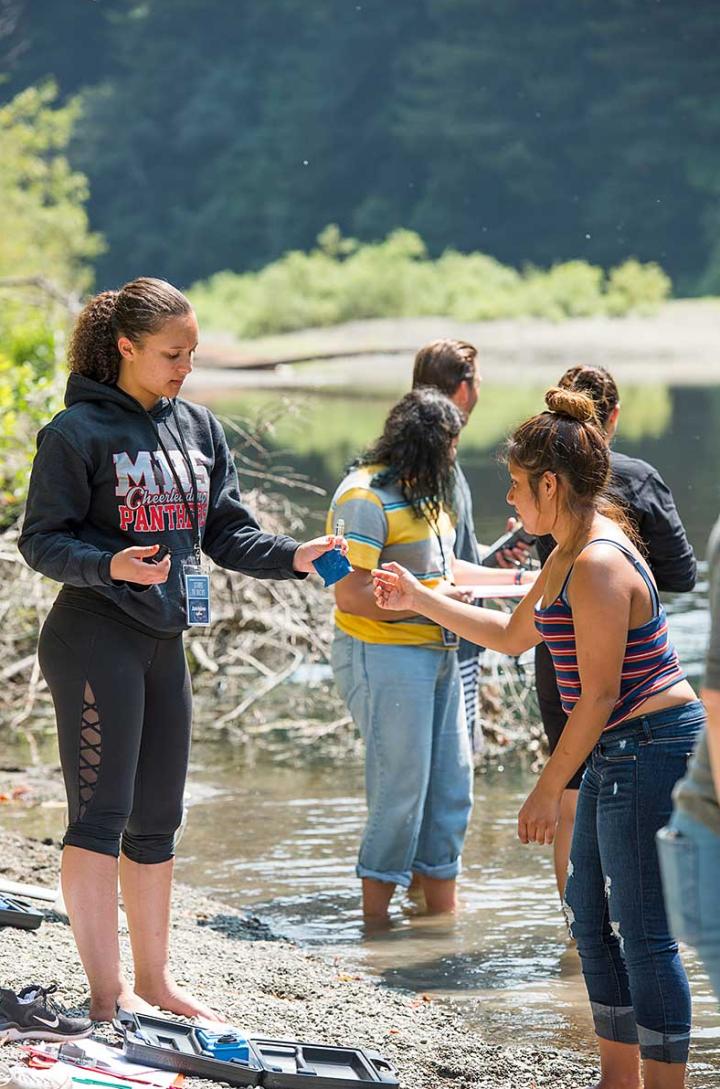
313	550
394	587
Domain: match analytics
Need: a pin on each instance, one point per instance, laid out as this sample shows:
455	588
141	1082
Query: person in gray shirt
689	847
451	366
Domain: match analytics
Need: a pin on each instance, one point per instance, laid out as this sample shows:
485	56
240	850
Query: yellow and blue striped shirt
381	527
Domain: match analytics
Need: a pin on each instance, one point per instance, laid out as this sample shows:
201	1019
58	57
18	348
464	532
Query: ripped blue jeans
636	983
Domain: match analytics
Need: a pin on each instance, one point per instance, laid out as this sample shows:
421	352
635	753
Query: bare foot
607	1085
175	999
126	1000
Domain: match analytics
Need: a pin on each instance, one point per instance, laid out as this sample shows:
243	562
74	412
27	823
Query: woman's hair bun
571	403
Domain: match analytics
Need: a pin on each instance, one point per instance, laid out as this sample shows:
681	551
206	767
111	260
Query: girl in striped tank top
633	720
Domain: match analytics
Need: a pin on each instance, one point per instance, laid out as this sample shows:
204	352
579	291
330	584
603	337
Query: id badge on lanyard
197	593
196	577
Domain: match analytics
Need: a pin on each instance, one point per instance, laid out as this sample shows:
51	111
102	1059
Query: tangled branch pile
257	671
260	672
263	633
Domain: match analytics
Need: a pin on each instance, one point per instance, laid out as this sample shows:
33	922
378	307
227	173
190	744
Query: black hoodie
101	482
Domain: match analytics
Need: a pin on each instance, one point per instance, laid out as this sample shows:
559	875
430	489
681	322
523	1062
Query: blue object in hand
332	566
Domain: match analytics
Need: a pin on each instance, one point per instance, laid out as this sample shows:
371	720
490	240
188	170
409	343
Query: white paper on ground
116	1068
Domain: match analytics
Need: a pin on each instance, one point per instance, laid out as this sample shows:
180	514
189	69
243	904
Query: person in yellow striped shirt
398	673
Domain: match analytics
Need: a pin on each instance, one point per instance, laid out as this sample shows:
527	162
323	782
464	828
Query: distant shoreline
679	345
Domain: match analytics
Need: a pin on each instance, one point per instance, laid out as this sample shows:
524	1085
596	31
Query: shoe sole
67	1084
13	1034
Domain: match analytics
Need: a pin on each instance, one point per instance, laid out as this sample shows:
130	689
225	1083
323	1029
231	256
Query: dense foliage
220	135
342	280
45	249
45	226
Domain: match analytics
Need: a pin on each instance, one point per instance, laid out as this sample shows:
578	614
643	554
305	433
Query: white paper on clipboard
499	590
112	1069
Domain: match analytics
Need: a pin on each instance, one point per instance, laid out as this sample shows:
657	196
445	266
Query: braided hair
597	383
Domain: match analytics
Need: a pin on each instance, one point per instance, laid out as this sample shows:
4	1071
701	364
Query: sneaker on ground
25	1077
32	1015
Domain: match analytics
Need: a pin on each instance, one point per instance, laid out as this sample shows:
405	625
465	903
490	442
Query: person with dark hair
631	714
650	506
451	367
399	676
129	488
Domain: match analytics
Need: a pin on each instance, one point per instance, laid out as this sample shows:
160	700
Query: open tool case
233	1058
17	913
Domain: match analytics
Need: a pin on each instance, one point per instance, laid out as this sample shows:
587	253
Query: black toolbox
17	913
275	1064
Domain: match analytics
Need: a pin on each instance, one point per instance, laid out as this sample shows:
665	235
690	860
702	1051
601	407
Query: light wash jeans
690	863
636	983
407	704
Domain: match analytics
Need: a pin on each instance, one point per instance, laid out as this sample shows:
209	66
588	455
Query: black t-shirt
649	503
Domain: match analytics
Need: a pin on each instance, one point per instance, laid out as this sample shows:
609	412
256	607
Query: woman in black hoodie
129	488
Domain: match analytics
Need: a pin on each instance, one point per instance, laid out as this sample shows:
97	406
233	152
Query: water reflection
505	963
677	429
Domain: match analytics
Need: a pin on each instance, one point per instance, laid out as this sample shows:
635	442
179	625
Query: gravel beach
275	988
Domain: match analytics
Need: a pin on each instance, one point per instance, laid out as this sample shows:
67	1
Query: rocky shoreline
275	988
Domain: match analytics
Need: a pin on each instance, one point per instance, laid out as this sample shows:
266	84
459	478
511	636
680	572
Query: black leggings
123	705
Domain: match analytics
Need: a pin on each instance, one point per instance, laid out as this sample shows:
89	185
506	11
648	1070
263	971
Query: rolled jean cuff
404	879
615	1023
445	872
663	1047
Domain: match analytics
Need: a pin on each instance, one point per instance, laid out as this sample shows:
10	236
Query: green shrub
632	286
342	280
45	249
30	392
570	290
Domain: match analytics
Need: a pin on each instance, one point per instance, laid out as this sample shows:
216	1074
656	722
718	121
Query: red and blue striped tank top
650	664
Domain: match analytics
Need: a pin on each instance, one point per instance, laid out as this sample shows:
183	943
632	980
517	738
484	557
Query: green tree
45	250
45	225
219	135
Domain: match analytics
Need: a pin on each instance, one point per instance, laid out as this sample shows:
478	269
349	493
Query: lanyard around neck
190	508
438	537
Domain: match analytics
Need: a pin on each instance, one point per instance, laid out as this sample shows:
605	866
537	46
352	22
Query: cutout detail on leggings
90	753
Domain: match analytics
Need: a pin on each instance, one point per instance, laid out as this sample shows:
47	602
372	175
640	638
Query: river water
281	841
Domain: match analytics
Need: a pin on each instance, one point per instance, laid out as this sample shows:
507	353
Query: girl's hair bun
571	403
